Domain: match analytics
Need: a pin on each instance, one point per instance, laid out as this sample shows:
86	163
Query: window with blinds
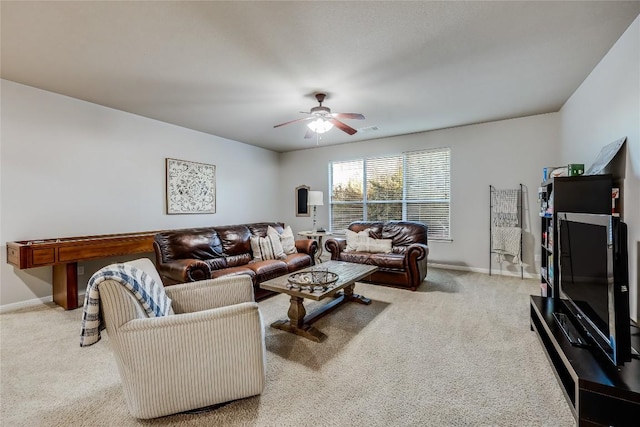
413	186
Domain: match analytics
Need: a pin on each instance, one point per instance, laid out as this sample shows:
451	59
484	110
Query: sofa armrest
335	246
416	252
415	259
212	293
184	270
307	246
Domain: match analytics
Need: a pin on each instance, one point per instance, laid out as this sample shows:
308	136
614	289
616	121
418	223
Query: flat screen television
594	280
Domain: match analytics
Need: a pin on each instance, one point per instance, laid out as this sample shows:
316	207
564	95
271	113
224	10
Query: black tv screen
594	279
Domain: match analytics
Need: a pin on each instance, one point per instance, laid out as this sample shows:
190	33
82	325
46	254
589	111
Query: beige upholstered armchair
210	351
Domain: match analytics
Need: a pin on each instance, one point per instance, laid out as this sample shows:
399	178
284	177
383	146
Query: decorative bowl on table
314	280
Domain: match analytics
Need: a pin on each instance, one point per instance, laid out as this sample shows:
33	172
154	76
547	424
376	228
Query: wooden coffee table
299	322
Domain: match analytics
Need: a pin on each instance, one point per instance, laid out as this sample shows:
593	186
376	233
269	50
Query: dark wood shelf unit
598	393
583	194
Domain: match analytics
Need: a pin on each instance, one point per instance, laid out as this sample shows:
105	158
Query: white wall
504	154
72	168
604	108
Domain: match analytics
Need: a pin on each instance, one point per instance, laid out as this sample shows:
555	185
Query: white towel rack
505	225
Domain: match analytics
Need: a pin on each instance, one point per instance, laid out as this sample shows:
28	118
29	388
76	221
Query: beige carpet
458	352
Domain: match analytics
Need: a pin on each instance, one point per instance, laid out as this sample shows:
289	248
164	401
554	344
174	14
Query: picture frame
191	187
302	197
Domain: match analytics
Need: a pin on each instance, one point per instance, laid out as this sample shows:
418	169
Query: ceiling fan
321	119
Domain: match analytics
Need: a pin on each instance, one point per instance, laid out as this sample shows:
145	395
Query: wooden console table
63	255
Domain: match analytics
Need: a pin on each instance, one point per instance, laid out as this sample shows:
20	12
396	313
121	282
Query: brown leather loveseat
398	248
195	254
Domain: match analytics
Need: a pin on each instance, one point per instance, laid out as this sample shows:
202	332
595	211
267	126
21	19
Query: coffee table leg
296	324
296	312
350	296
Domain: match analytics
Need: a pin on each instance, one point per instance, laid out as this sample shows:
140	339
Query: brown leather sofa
195	254
405	265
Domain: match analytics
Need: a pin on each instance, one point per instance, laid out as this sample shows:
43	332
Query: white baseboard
482	270
24	304
6	308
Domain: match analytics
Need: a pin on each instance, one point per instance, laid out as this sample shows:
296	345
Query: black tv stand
635	341
597	392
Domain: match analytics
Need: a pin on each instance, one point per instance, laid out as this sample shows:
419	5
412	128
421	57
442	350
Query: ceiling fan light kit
323	120
320	125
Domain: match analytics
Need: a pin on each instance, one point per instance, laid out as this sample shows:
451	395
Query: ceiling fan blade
355	116
293	121
308	134
343	127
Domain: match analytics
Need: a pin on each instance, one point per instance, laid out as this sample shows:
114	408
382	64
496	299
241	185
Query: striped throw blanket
147	291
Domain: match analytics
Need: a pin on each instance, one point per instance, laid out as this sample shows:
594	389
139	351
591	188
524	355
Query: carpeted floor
458	352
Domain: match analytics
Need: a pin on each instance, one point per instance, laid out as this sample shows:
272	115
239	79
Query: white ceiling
236	69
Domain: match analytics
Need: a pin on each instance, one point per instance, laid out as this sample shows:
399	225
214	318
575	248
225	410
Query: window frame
405	201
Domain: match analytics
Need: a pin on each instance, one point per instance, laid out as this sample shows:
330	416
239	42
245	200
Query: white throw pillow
374	245
265	248
287	239
354	239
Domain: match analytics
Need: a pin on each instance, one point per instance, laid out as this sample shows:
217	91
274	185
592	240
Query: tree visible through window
413	186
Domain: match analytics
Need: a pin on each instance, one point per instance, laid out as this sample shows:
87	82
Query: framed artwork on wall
191	187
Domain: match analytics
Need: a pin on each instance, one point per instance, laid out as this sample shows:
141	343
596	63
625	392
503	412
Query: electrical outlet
80	270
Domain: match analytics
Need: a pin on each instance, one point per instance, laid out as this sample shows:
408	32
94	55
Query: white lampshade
320	125
315	198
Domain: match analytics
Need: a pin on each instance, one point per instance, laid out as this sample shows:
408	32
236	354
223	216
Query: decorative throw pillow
374	245
265	248
353	239
287	239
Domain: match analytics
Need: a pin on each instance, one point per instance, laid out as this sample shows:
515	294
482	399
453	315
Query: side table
318	235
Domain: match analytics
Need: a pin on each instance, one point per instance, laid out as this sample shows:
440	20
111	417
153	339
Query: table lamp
315	199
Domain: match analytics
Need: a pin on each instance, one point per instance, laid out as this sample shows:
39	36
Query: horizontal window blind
347	193
428	188
414	186
384	178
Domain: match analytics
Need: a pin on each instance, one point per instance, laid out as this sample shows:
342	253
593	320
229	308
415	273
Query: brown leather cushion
217	263
260	228
405	233
297	261
375	228
402	233
236	239
238	260
394	261
357	257
196	243
266	270
229	261
399	249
